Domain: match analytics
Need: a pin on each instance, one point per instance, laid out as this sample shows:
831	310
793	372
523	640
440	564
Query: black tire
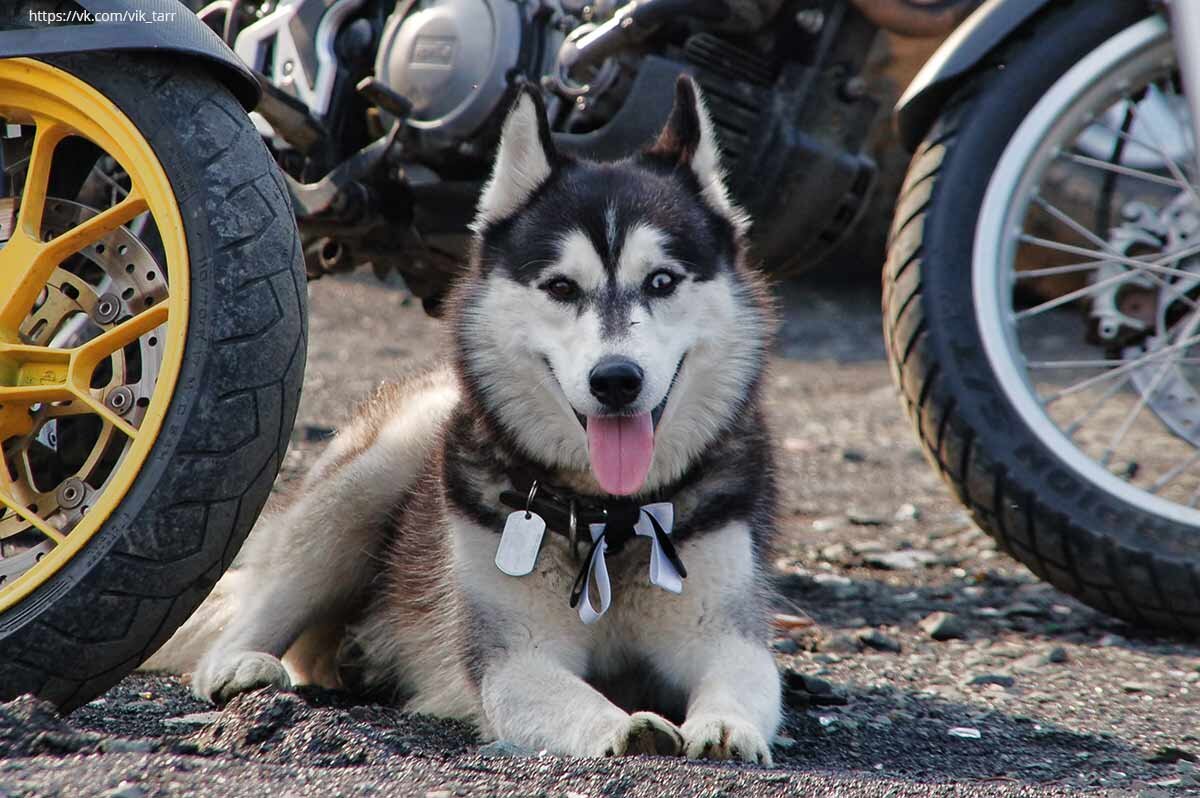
228	424
1117	557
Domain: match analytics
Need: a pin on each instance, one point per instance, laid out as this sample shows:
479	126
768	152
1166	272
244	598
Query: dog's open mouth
621	447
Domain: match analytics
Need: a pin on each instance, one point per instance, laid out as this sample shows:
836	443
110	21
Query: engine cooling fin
736	85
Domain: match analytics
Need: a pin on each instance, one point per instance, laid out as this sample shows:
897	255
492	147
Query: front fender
979	34
163	26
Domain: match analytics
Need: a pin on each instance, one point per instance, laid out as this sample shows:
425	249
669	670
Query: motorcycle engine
452	59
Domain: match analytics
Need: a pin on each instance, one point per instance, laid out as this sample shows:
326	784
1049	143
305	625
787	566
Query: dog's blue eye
562	289
661	283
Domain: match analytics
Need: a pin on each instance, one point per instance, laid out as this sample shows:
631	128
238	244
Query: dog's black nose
616	381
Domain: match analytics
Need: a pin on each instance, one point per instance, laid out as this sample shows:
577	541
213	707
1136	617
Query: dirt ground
1037	696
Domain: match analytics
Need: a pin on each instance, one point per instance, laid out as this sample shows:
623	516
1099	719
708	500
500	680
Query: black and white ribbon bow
666	570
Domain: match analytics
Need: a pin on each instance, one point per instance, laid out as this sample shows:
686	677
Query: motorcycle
152	331
1041	287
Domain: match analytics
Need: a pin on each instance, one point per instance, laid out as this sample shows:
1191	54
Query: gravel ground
920	661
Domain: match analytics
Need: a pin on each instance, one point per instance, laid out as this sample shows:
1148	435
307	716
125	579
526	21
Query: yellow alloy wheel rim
37	379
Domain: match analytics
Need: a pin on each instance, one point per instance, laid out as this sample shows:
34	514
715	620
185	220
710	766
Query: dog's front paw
711	737
645	733
229	675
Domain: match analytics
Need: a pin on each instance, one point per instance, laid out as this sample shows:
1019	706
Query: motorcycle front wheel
1042	309
152	345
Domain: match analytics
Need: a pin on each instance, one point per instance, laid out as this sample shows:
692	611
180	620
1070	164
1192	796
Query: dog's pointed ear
689	140
524	159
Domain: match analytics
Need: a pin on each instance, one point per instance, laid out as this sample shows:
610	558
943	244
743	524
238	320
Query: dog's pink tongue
620	448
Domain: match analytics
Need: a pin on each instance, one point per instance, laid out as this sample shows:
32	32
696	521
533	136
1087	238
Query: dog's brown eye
562	289
661	283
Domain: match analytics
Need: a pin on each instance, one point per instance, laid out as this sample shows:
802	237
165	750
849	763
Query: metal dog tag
520	542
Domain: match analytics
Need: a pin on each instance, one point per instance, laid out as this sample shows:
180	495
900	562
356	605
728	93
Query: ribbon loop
666	569
597	566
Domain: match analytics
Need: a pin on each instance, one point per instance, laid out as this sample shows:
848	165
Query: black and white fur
385	561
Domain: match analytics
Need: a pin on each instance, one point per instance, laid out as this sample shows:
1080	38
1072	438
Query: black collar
569	515
556	506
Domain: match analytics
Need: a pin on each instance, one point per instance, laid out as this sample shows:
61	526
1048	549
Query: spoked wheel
151	352
1043	309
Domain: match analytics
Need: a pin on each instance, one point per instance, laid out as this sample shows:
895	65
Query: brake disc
1162	382
68	456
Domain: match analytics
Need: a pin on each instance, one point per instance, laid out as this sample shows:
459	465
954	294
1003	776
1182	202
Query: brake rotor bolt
108	307
811	20
854	89
71	493
119	399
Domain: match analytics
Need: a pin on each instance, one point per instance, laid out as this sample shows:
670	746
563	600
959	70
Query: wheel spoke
1174	473
1083	364
1120	370
22	274
27	264
92	230
37	177
1156	148
1139	268
89	354
1070	222
1157	265
7	498
40	375
106	414
1128	171
1082	418
1068	268
1169	162
1071	296
1127	423
30	374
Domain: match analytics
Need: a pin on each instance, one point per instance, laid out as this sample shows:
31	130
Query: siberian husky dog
561	536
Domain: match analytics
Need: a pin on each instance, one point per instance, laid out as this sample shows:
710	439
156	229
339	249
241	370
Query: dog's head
609	321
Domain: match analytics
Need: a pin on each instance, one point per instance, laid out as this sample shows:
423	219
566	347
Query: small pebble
193	721
115	745
907	560
785	645
862	518
907	512
993	678
501	748
1058	654
841	644
1024	608
1170	754
965	732
879	641
126	789
944	626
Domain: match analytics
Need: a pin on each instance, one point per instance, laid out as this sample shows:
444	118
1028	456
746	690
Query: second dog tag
520	542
